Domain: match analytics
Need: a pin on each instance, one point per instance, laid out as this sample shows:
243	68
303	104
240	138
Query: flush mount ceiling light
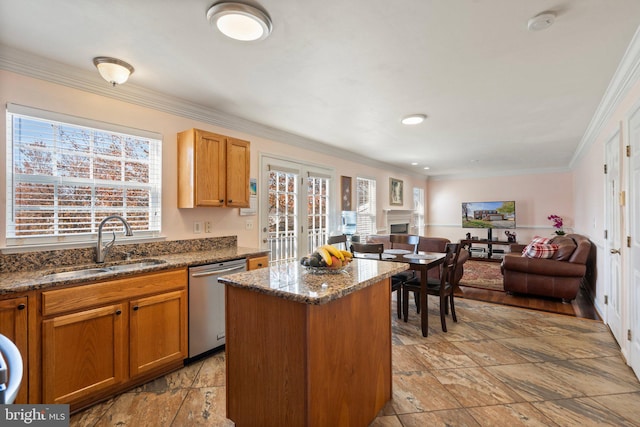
541	21
413	119
240	21
113	70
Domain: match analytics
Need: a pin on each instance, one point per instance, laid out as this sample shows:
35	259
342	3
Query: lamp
413	119
240	21
541	21
113	70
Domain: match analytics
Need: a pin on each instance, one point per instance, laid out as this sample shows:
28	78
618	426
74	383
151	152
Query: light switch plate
207	226
197	227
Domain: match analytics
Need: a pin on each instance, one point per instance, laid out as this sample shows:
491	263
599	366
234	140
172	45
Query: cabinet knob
135	308
118	312
230	201
21	307
221	200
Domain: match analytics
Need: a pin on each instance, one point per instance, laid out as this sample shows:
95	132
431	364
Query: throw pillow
536	239
541	250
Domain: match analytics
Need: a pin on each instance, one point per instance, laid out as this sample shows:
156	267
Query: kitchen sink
73	274
90	271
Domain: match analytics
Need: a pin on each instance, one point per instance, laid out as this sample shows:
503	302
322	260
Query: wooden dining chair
442	287
337	240
408	242
378	248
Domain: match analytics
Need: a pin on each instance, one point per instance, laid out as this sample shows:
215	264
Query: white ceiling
344	72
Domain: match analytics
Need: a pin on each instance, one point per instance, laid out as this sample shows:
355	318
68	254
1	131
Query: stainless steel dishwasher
206	305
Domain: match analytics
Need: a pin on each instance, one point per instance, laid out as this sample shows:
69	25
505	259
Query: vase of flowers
557	224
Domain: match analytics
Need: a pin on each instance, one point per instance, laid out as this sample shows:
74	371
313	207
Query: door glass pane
282	219
317	211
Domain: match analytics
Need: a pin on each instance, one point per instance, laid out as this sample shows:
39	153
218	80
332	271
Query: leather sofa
558	277
427	244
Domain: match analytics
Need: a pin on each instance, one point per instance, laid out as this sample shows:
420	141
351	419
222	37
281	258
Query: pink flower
557	223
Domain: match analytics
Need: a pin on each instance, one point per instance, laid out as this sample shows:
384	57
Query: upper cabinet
213	170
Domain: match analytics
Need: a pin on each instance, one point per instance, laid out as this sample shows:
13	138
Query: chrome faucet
101	252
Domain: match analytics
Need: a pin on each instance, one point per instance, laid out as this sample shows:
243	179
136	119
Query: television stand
468	244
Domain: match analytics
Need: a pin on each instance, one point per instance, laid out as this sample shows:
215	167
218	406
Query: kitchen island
308	349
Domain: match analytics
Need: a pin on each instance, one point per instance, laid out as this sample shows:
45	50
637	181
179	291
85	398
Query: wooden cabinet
14	325
257	262
98	339
213	170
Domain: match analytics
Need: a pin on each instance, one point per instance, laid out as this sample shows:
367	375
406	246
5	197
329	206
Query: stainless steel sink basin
73	274
136	265
84	272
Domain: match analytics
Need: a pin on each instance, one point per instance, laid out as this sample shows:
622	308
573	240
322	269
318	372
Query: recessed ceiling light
414	119
414	163
541	21
426	168
240	21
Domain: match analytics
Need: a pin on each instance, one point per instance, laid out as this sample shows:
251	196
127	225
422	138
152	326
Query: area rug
482	274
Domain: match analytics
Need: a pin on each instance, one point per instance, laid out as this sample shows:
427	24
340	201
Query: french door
297	200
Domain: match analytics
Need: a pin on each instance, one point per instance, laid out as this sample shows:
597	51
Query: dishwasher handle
217	272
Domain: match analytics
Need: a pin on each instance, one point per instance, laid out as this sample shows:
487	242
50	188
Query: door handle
615	251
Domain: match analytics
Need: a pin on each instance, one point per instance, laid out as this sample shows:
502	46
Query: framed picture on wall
345	193
395	192
253	199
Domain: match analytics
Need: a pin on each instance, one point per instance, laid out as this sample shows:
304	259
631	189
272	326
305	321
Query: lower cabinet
99	339
14	325
257	262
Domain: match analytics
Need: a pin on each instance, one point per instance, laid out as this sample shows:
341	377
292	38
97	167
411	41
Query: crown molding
492	174
30	65
626	76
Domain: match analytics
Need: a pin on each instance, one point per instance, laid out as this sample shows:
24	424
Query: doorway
298	200
634	233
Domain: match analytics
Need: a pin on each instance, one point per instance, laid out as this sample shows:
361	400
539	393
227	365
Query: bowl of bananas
327	259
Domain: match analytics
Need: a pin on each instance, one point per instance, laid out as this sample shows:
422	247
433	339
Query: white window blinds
65	174
366	206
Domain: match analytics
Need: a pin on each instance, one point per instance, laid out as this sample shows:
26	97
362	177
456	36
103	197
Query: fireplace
399	228
399	221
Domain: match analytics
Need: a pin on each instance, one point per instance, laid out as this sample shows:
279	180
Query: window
65	174
366	206
418	208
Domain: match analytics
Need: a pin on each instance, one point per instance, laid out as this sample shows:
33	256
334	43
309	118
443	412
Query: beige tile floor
498	366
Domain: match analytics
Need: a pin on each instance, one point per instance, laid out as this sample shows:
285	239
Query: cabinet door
83	353
13	325
238	164
158	331
209	169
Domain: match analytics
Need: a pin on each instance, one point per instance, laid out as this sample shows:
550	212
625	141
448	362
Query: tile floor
498	366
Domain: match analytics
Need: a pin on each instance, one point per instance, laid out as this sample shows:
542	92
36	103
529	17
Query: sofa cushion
541	250
566	247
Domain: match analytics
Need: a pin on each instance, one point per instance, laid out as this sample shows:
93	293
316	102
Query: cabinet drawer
90	294
258	262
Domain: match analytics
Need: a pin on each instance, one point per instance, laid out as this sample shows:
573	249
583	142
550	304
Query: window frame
369	227
153	185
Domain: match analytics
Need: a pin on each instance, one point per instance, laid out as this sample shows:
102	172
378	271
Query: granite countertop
23	281
294	282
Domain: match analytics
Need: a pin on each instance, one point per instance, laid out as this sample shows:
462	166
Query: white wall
537	196
178	223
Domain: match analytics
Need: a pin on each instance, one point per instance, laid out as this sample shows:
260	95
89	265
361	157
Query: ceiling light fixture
240	21
426	168
113	70
413	119
541	21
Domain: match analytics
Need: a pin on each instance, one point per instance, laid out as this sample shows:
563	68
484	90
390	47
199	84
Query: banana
334	251
326	256
346	254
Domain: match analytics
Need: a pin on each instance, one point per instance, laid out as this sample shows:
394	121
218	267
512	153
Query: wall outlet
207	226
197	227
248	225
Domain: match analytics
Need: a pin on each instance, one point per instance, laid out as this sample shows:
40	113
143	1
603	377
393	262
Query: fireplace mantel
398	217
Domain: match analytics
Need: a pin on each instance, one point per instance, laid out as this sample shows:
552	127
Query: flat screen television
489	215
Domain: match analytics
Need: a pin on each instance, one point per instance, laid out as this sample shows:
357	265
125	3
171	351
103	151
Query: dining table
421	262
